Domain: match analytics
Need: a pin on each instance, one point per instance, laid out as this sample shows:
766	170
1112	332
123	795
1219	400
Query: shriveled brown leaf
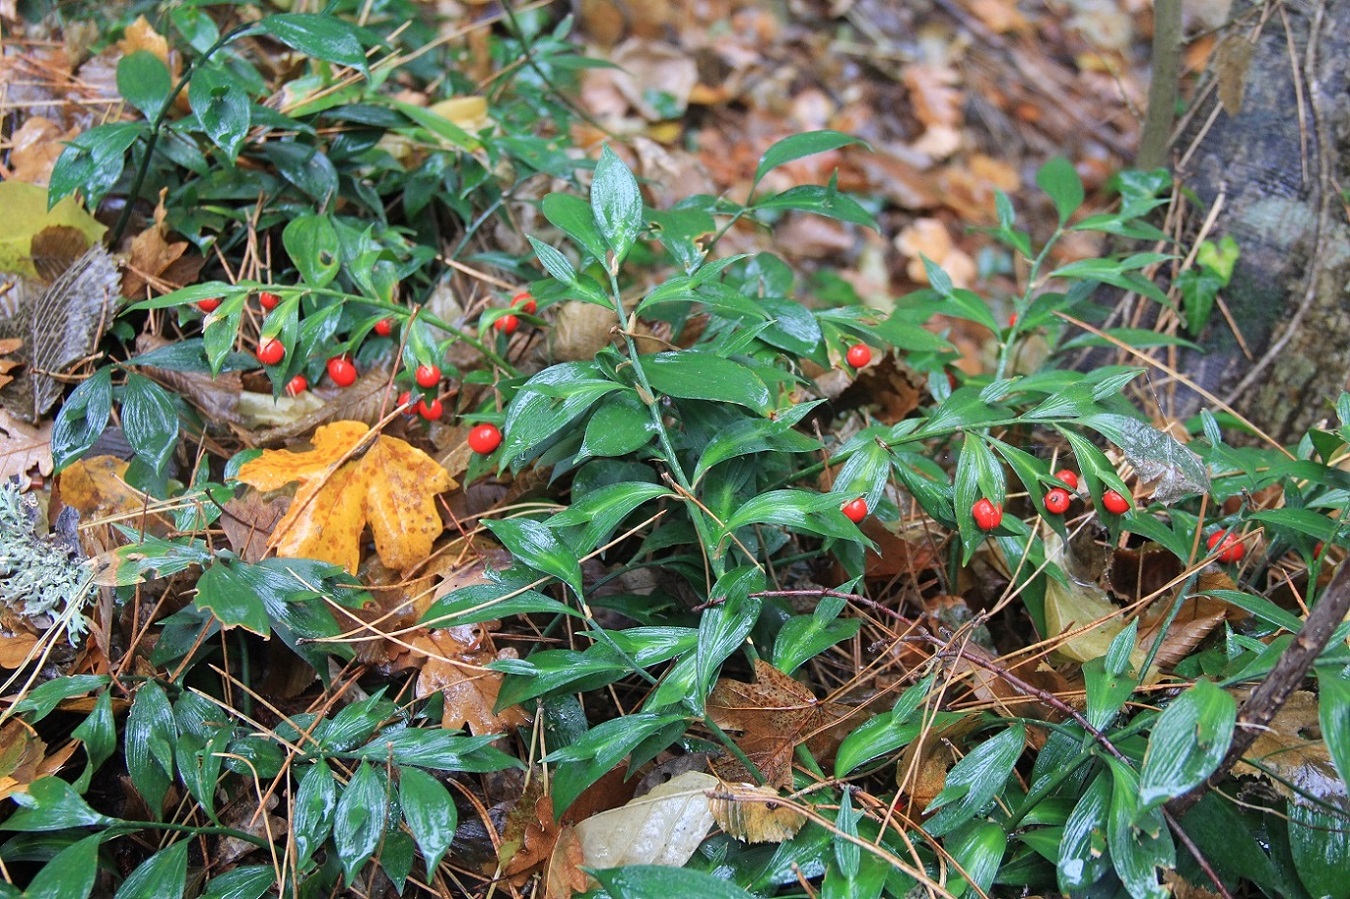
36	146
21	752
773	716
95	488
152	253
530	831
754	814
15	649
249	520
563	878
368	400
453	664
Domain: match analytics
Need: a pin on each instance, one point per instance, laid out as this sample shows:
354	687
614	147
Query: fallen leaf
391	485
151	254
929	238
26	214
36	146
95	488
1292	751
15	648
755	814
529	834
773	715
248	522
453	661
563	878
663	827
25	450
21	751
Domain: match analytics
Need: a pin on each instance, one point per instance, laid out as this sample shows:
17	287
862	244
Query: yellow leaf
26	214
392	486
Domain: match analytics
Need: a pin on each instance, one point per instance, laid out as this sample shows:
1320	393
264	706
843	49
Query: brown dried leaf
773	715
755	814
1292	749
151	255
563	878
25	450
530	832
21	752
94	488
454	666
249	520
35	148
933	92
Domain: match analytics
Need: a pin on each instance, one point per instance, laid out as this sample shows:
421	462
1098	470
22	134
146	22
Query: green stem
209	829
1033	277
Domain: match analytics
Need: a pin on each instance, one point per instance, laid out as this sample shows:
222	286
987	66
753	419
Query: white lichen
41	580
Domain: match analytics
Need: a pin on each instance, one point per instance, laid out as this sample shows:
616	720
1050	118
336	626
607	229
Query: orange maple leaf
392	486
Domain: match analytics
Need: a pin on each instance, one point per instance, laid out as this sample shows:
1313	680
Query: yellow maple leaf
391	486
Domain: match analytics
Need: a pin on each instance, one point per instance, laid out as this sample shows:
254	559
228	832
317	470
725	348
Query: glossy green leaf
312	243
82	418
93	162
1333	713
312	815
1156	456
436	748
648	881
554	262
616	203
1188	741
429	812
975	780
143	81
98	732
799	146
533	544
326	37
1141	844
1060	181
586	760
554	670
359	819
150	736
754	435
489	602
619	426
39	702
801	510
824	200
70	874
1319	841
979	850
893	729
547	403
804	637
52	804
242	882
599	512
231	598
161	876
222	108
700	376
1083	858
149	420
573	216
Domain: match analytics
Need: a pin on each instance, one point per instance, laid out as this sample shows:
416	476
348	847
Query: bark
1280	167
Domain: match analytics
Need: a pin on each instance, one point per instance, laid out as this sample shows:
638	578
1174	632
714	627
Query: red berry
1057	501
1228	545
855	510
1012	320
525	301
384	327
1114	503
342	371
297	385
507	324
430	411
987	515
209	305
484	439
427	376
404	399
271	351
858	355
268	300
1068	477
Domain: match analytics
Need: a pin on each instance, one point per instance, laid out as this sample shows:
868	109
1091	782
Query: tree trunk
1280	167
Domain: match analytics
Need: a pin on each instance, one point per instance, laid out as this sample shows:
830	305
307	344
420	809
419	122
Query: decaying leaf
1158	457
453	661
342	486
563	878
663	827
773	715
26	214
1082	611
25	449
529	834
24	757
755	814
151	254
59	325
1292	750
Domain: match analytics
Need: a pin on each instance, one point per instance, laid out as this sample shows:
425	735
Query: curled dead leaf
754	814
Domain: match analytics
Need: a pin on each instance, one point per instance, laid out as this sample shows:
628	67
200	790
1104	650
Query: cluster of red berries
510	322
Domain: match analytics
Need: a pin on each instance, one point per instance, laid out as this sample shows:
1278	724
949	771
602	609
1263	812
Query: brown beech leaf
453	664
342	486
773	715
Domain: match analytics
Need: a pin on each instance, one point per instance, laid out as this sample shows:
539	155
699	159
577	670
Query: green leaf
222	108
616	203
93	162
489	602
975	780
887	732
315	805
429	812
1106	692
312	243
358	821
804	637
1141	844
701	376
648	881
584	761
1083	859
52	804
232	599
143	81
547	403
821	200
555	263
1155	456
533	544
1188	741
243	882
755	435
70	874
800	510
151	732
799	146
43	698
326	37
82	418
433	747
98	733
1333	713
600	511
1320	842
1060	181
979	851
149	420
574	218
161	876
621	425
